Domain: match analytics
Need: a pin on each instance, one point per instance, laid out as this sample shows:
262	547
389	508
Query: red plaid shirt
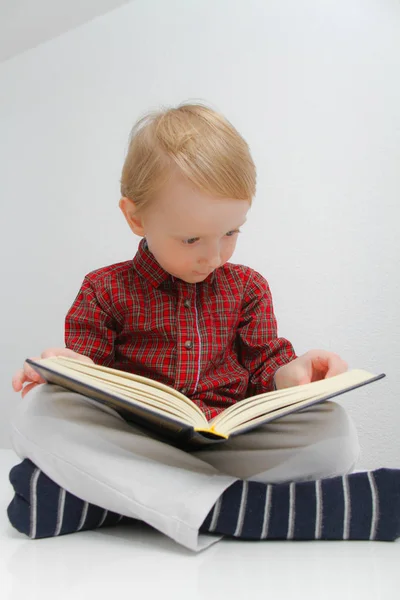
215	341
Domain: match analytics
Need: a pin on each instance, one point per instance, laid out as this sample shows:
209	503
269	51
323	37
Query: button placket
187	349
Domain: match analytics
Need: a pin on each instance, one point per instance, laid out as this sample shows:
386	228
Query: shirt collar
147	266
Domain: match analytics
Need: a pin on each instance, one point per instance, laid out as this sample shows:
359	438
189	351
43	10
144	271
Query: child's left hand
311	366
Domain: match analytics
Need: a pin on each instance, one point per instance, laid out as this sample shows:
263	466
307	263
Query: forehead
184	207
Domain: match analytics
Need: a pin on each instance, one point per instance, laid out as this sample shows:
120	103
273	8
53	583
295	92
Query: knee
340	449
33	406
26	419
43	416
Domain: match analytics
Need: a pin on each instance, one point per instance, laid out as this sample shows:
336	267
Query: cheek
228	250
165	252
179	256
186	258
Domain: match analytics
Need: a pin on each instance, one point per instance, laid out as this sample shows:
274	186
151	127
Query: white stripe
292	511
199	340
267	512
318	510
347	508
375	506
33	498
217	509
103	518
83	516
242	510
60	512
119	519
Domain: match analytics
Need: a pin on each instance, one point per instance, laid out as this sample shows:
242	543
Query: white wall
313	86
25	24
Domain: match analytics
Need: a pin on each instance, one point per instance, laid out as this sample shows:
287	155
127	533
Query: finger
23	376
303	381
71	354
17	380
337	366
51	352
326	364
28	388
323	355
83	358
30	373
65	352
299	375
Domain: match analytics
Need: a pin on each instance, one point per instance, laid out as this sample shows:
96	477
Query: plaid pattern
215	341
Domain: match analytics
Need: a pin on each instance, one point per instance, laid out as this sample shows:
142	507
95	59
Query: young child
181	314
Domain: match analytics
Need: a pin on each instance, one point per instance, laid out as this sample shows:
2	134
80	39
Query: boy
181	314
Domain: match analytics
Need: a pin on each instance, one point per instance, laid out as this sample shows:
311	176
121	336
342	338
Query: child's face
189	232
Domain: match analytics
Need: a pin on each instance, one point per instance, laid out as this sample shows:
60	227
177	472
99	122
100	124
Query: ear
134	220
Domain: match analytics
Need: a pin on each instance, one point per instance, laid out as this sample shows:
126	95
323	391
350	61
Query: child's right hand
28	376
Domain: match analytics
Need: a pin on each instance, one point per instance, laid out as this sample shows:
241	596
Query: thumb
292	374
304	380
336	367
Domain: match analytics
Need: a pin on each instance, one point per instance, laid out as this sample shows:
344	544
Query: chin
193	278
200	277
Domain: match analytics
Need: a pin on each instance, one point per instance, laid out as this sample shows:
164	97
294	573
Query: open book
170	414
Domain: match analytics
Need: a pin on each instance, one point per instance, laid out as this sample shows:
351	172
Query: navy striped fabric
387	504
360	506
40	508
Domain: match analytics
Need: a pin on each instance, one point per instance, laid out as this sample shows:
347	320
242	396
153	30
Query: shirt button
188	344
184	391
186	303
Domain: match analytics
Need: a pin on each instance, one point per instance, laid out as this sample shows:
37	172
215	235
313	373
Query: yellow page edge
211	430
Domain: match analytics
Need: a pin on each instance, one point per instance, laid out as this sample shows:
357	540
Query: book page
235	426
136	392
264	404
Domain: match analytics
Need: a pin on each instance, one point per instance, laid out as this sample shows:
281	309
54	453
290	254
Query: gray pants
101	459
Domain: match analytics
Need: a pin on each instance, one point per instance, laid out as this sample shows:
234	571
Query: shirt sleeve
261	352
90	328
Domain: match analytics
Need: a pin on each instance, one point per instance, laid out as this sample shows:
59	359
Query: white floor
138	561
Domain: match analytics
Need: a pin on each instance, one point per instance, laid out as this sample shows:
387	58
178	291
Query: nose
211	257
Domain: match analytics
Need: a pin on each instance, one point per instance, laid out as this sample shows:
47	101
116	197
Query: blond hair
200	142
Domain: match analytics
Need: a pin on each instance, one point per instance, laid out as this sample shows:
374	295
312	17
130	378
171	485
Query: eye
231	233
191	241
